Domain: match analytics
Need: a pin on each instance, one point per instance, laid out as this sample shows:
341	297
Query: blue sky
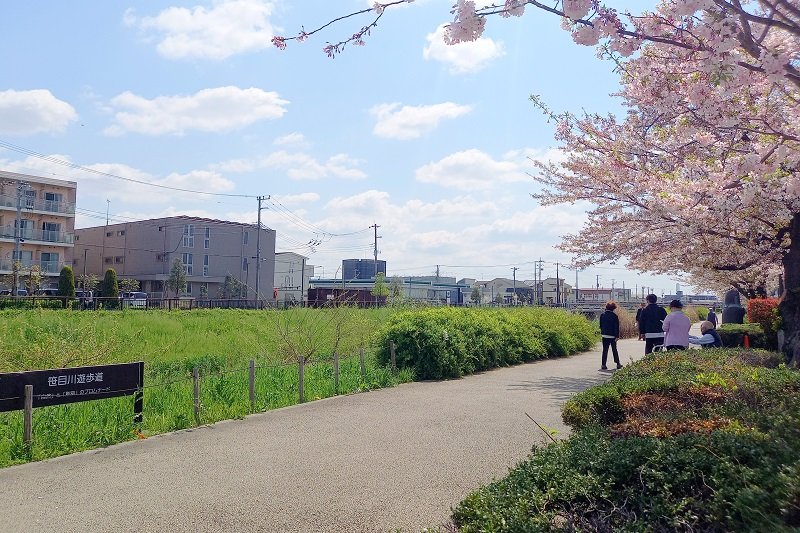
430	142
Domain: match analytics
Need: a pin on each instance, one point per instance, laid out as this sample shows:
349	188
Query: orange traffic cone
746	340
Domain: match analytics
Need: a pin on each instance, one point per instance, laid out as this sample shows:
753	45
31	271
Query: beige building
210	251
37	215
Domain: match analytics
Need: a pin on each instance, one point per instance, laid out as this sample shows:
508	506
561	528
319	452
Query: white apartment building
292	275
37	223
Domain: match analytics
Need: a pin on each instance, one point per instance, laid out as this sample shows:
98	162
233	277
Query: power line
75	166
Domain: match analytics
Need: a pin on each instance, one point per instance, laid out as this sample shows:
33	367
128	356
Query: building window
188	236
109	234
119	259
187	264
207	240
189	288
30	199
121	233
205	265
108	260
52	196
161	258
245	237
49	262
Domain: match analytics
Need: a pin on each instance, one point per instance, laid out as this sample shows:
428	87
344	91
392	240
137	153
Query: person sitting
710	338
676	327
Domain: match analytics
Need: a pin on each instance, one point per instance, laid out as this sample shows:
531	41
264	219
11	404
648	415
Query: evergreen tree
177	277
109	289
66	282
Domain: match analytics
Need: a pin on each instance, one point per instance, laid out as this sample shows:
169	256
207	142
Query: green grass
220	343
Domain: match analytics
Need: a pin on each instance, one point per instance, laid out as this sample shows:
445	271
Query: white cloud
462	58
31	112
298	165
217	109
293	138
95	187
300	198
229	27
471	170
411	122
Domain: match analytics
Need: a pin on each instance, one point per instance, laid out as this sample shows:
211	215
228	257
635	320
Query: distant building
528	292
210	250
292	275
362	268
446	291
40	214
603	294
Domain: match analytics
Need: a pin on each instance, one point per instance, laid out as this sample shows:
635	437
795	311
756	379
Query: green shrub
764	311
702	312
732	335
725	463
449	342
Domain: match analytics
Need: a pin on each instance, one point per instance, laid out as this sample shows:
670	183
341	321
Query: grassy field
219	343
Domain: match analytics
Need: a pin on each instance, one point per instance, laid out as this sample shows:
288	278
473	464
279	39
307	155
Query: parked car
46	292
134	300
86	298
20	292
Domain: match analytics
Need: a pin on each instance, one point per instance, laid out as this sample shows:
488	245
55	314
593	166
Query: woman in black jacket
609	331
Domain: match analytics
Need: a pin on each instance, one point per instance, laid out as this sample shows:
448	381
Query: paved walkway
388	460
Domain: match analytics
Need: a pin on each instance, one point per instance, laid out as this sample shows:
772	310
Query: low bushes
764	311
732	335
449	342
701	440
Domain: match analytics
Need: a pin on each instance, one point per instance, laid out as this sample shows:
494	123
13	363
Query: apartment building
210	251
37	224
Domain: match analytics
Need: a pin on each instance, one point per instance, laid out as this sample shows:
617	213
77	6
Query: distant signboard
68	385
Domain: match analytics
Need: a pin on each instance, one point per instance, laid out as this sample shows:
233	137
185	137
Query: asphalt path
387	460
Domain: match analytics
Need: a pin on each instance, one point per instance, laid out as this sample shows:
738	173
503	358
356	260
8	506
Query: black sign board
68	385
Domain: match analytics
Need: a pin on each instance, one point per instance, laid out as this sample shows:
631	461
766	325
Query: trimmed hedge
764	311
701	440
450	342
732	335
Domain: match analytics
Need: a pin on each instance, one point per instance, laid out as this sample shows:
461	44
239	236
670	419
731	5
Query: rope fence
223	394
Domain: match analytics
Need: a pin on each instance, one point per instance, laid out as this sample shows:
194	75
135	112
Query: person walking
650	322
676	327
609	331
712	317
638	318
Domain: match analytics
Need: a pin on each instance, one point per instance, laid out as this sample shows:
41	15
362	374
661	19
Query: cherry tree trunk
790	304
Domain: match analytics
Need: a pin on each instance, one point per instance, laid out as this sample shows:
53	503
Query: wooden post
335	373
28	415
138	397
393	353
301	382
196	380
252	385
361	361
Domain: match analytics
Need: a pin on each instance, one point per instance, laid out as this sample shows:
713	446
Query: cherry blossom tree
701	175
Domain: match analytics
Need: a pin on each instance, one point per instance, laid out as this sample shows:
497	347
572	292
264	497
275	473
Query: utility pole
598	281
375	250
612	288
514	296
103	252
558	287
258	247
577	291
540	288
21	187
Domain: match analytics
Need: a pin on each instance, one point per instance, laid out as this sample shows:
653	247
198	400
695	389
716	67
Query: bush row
702	440
732	335
449	342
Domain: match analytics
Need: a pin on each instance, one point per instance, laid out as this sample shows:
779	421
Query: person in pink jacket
676	327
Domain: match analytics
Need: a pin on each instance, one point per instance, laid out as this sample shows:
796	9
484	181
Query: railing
51	206
30	234
47	267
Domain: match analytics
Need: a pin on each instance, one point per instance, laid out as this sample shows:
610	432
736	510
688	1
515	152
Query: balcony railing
29	234
47	267
50	206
